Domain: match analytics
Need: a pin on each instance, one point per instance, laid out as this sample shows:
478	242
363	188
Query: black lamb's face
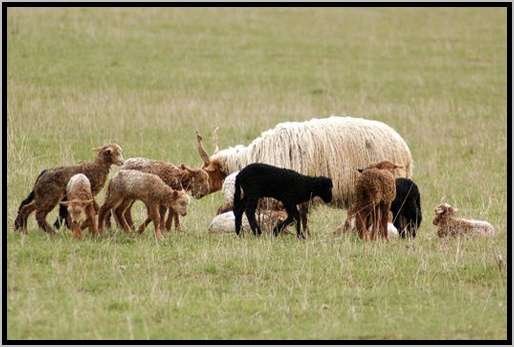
325	191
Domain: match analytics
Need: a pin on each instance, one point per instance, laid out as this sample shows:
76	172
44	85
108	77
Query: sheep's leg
239	208
143	225
162	213
41	221
23	215
176	218
293	211
156	218
106	208
169	220
385	219
93	224
361	225
251	207
121	212
304	210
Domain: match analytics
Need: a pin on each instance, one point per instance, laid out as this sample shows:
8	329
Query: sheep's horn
201	150
215	139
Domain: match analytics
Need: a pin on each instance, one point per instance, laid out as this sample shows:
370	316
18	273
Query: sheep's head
324	188
199	181
178	201
443	211
110	154
77	209
212	167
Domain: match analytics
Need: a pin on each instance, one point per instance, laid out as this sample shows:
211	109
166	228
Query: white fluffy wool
334	147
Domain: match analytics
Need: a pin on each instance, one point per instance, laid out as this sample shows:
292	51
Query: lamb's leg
109	204
304	210
162	213
384	214
169	220
23	215
156	218
93	224
127	215
176	218
41	221
251	207
360	224
143	225
293	211
239	208
120	213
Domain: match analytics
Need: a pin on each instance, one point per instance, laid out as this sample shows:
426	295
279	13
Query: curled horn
201	150
215	139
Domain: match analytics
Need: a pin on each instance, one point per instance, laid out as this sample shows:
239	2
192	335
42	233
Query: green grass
146	78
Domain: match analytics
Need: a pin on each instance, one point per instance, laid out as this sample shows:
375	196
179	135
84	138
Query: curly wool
332	147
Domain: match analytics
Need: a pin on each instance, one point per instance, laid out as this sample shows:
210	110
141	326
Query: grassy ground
146	78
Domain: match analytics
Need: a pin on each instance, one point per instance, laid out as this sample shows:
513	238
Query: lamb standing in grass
375	191
450	225
80	205
130	185
287	186
50	186
194	180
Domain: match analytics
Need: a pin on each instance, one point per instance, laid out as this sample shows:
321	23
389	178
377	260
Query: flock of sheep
360	165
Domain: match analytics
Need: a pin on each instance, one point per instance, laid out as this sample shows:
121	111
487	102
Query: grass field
146	78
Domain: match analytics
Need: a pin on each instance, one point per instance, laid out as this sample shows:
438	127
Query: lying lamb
287	186
267	220
450	225
50	186
80	205
129	185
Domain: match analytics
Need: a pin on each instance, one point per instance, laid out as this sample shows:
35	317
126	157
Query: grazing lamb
405	211
267	220
450	225
80	205
320	147
406	207
375	191
287	186
194	180
129	185
50	186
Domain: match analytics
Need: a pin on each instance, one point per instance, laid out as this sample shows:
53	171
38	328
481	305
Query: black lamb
287	186
406	208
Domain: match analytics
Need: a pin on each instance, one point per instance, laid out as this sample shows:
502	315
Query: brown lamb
374	192
129	185
194	180
80	205
448	224
50	186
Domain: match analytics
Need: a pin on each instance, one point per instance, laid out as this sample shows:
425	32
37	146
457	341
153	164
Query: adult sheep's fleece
333	147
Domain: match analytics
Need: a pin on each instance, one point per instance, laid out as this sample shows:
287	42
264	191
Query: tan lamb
80	205
450	225
374	192
50	186
192	180
129	185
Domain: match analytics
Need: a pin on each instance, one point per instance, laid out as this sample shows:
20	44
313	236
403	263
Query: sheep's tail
26	201
419	217
237	194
